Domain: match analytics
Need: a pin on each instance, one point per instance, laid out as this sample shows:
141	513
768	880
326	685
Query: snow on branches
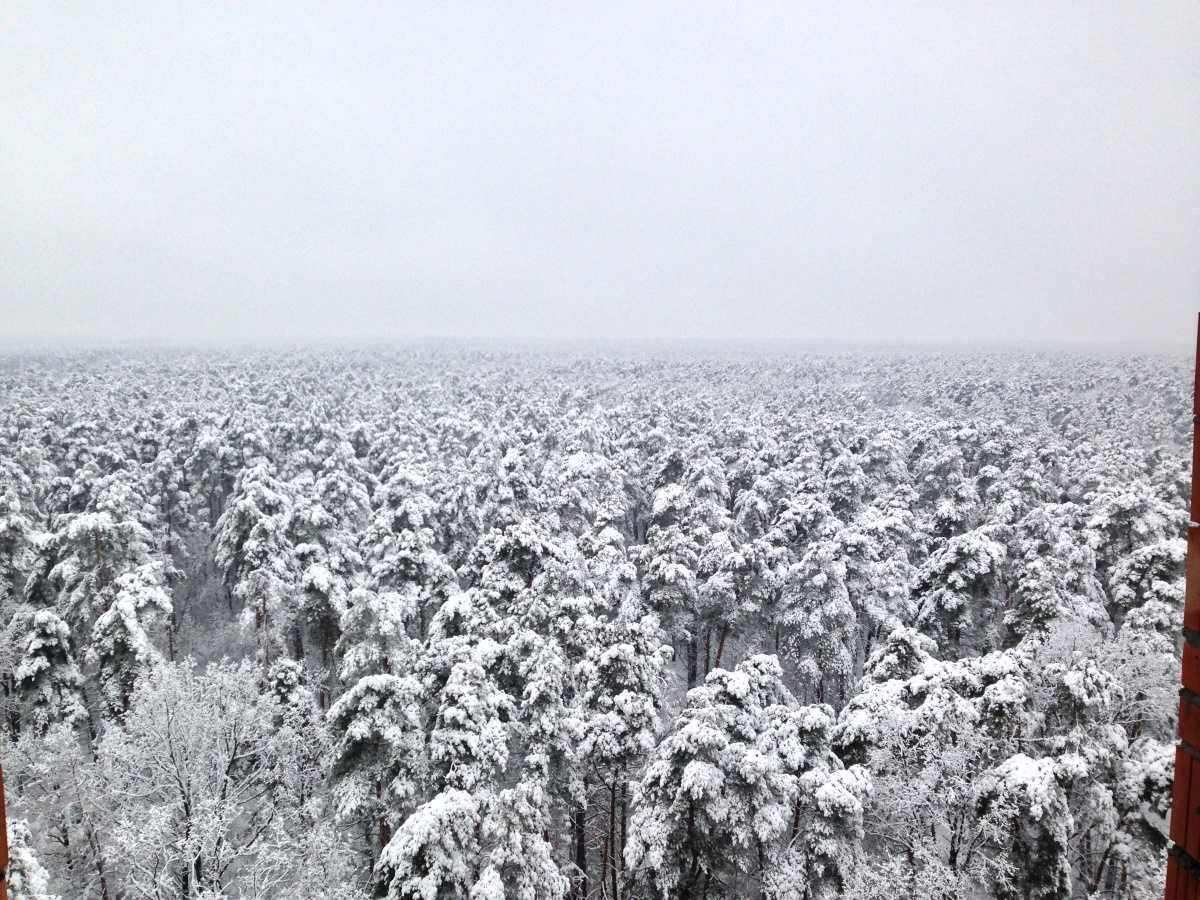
450	621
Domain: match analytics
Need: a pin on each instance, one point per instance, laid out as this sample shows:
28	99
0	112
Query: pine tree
175	521
516	858
956	586
252	549
121	643
378	760
17	535
91	549
402	555
374	635
47	674
818	621
468	745
435	851
690	542
1146	587
615	722
716	808
329	512
1128	518
1024	795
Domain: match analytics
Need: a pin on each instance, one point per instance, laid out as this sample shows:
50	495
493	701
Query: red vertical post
1183	867
3	841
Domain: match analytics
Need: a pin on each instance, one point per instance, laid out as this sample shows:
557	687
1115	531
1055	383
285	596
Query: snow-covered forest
445	620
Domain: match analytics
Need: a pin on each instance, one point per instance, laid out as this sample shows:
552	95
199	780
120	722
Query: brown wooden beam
1183	863
3	841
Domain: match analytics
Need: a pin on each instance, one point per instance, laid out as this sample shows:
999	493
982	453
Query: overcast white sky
962	170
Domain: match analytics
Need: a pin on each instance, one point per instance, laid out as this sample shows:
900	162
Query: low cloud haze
1006	172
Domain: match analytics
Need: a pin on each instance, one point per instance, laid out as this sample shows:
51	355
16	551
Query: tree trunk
385	830
260	637
612	832
604	862
100	874
624	831
297	644
721	644
579	823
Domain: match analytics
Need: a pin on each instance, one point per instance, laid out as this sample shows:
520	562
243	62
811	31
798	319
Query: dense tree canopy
648	623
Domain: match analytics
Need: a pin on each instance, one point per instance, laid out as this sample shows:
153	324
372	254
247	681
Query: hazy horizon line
43	342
